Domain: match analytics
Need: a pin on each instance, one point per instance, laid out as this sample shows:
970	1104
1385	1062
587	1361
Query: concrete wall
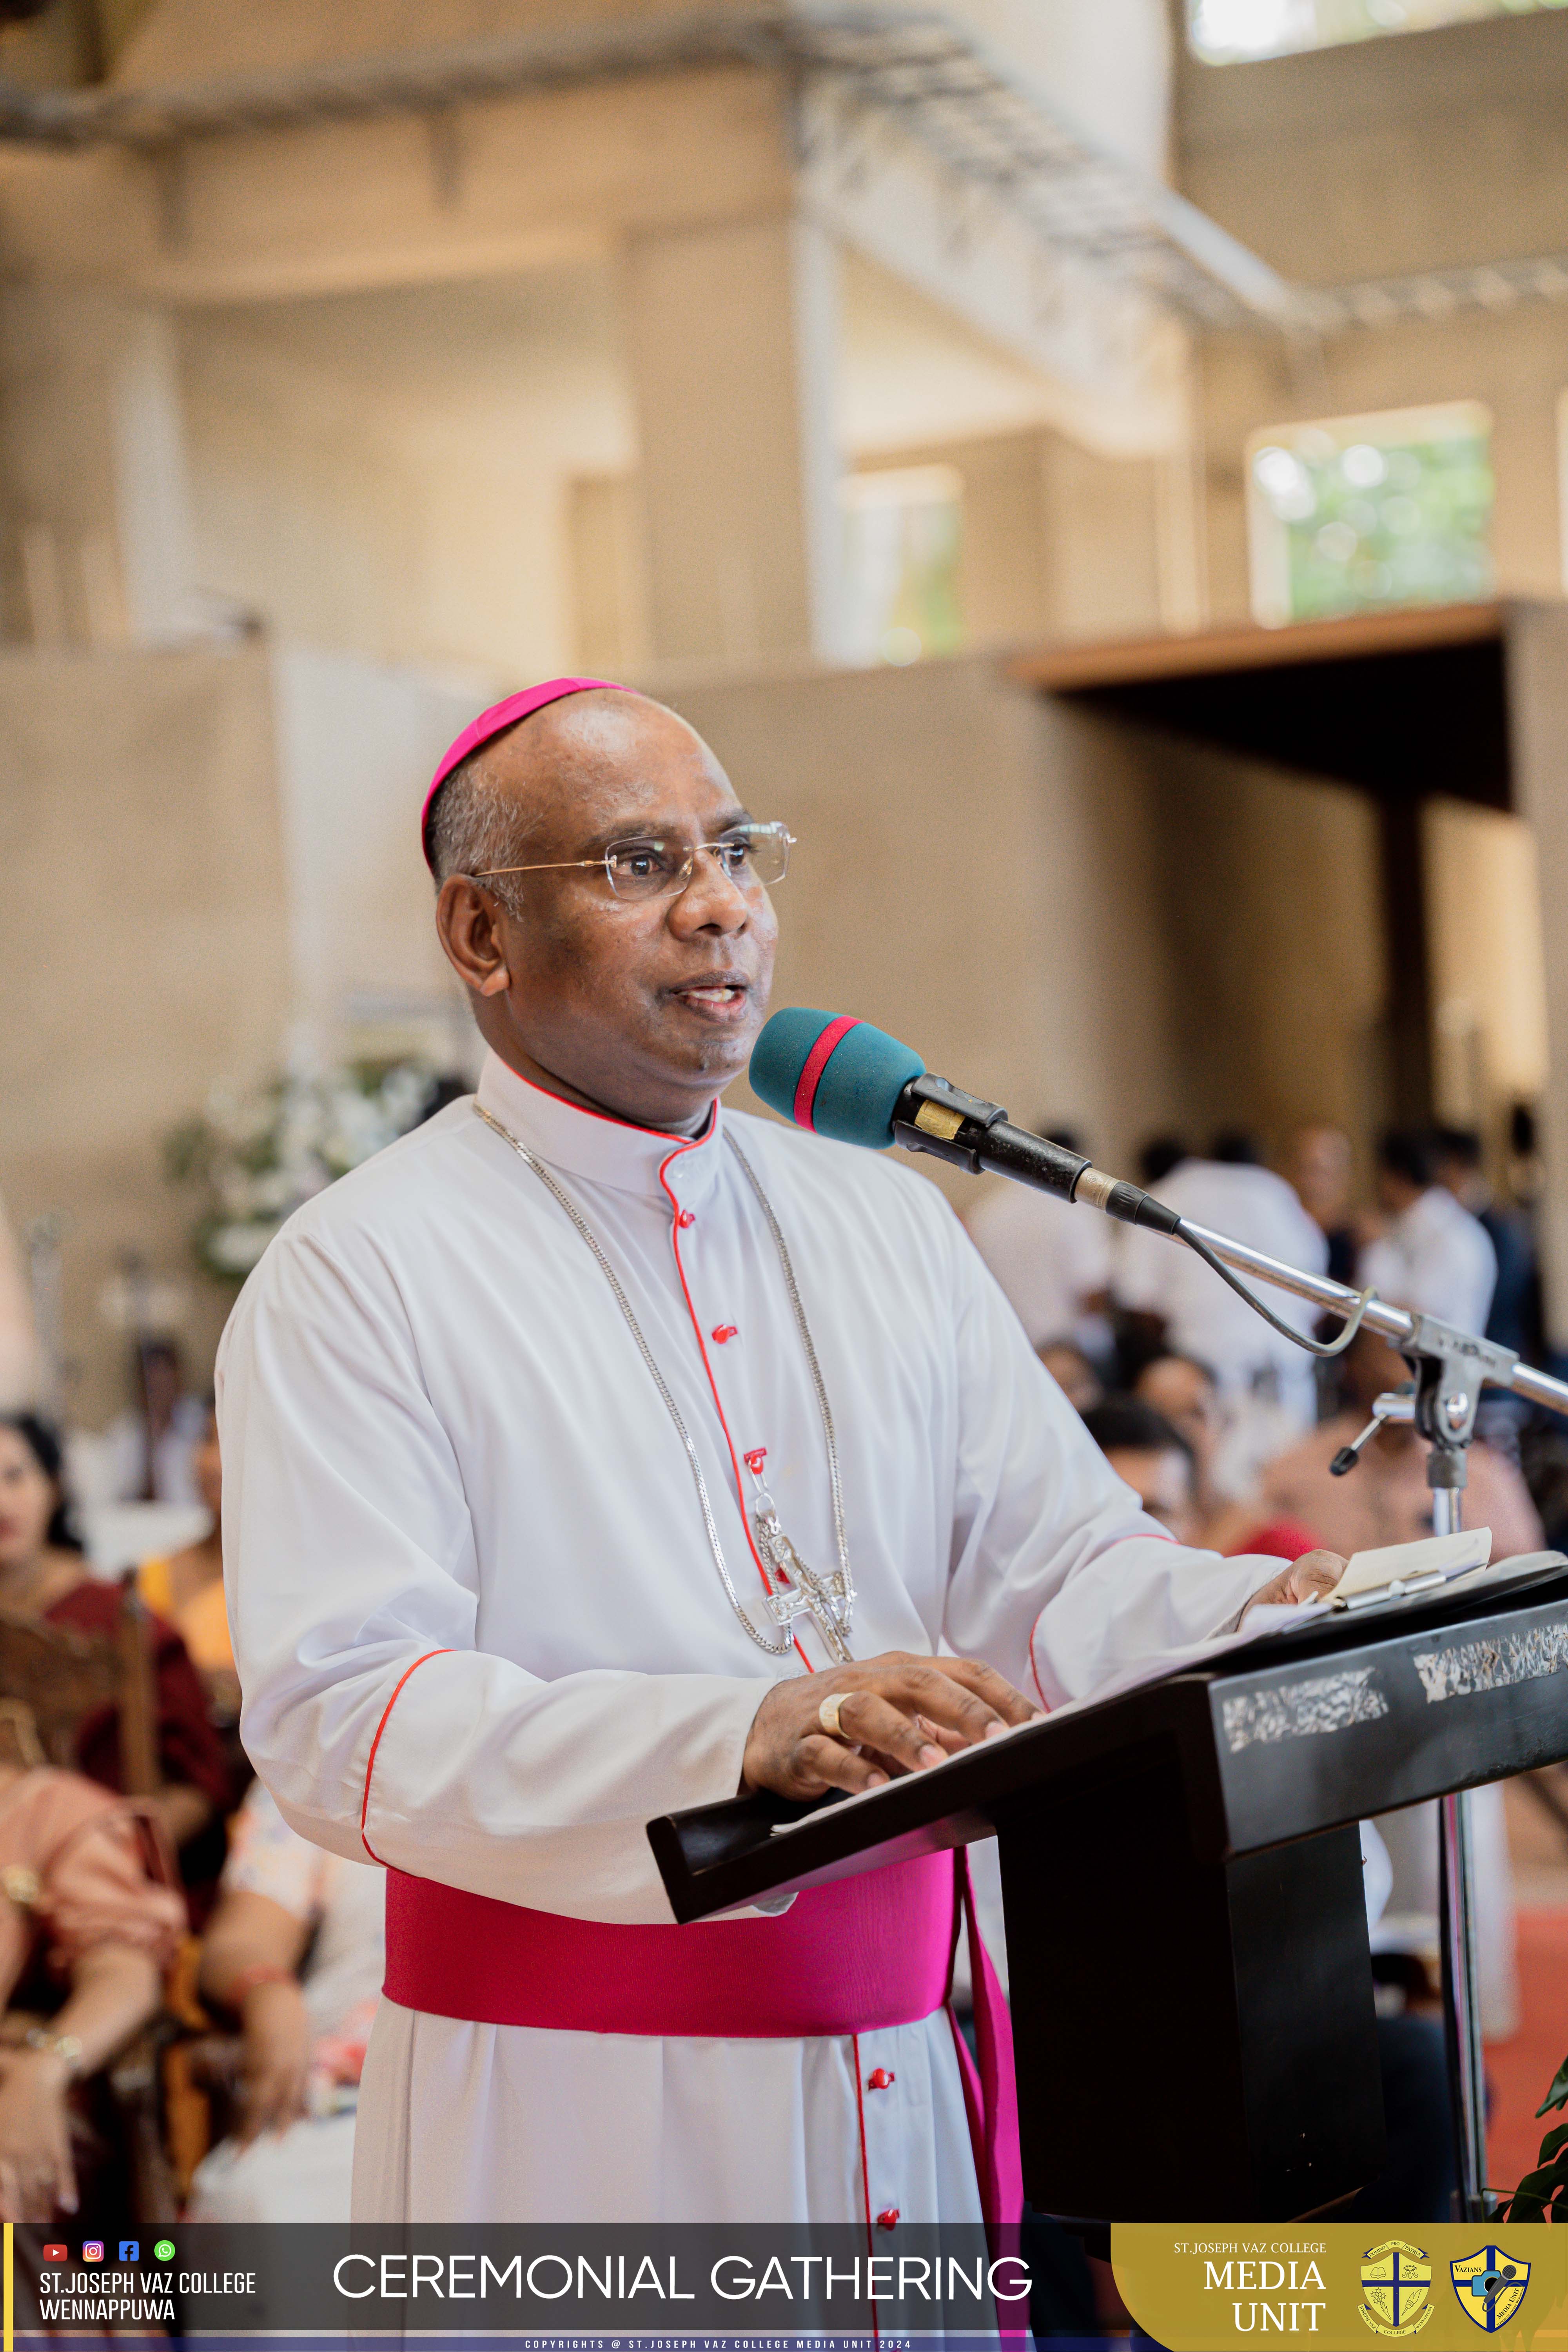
445	476
1485	933
205	860
1269	895
357	744
1059	912
388	472
143	952
1058	541
1384	156
1538	696
967	857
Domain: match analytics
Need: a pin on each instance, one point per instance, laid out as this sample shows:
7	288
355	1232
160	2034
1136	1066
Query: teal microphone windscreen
833	1074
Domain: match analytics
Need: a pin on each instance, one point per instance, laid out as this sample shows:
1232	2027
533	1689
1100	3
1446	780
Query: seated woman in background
43	1576
296	1951
187	1588
79	1911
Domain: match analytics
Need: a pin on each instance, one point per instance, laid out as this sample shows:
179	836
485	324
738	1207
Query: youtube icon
56	2253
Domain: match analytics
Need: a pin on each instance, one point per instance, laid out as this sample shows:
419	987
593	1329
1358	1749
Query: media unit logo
1490	2286
1395	2288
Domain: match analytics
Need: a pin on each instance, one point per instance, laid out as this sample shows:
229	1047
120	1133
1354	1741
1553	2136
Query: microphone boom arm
934	1115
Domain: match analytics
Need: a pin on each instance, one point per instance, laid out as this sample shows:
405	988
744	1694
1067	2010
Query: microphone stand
1450	1368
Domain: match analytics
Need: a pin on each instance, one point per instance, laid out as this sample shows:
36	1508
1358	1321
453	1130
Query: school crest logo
1395	2288
1491	2287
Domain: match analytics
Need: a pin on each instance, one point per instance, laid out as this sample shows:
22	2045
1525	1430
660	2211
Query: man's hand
903	1713
1314	1572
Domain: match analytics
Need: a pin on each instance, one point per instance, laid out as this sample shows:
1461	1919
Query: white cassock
439	1437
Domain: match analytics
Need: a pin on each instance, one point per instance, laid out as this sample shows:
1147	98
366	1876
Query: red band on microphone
817	1061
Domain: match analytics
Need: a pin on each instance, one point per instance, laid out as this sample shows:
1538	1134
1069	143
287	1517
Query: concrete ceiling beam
534	179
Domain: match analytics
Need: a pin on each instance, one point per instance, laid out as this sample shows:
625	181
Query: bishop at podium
574	1446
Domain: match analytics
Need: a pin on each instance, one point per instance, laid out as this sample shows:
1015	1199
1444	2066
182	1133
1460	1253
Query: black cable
1286	1330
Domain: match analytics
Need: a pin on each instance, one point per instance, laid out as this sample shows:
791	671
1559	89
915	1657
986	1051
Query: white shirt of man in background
1049	1258
1202	1315
1434	1256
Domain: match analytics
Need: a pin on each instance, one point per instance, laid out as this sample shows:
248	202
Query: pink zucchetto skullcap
495	722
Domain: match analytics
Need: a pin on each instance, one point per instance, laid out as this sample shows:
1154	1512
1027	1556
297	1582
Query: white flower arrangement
260	1154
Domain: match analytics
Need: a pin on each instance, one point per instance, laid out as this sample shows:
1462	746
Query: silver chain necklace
799	1591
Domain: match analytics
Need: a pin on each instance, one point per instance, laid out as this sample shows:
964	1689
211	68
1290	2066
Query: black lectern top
1351	1714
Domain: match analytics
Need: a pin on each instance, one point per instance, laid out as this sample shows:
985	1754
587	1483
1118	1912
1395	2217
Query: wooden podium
1180	1869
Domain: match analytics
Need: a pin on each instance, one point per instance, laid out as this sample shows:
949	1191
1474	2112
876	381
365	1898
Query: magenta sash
848	1958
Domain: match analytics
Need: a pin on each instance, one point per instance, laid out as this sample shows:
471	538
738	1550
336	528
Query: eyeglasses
751	857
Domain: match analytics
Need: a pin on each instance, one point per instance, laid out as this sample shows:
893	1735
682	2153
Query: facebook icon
130	2249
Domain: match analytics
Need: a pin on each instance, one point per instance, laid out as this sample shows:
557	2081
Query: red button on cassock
723	1331
880	2081
887	2218
687	1217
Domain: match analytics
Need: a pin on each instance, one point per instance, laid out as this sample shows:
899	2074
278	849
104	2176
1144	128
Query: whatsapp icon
165	2250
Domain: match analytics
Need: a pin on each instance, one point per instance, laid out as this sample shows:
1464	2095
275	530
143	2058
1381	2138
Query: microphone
842	1079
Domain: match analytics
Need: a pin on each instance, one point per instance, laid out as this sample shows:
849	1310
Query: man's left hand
1315	1572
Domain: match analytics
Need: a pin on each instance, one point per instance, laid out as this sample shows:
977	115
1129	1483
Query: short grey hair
475	826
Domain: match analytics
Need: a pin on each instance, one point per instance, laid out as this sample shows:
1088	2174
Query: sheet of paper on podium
1420	1566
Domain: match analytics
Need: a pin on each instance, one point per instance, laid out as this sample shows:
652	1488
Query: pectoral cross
798	1589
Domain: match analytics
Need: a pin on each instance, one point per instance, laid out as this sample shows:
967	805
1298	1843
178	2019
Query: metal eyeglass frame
679	881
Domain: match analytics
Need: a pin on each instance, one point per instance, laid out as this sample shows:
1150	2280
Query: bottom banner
895	2282
1345	2287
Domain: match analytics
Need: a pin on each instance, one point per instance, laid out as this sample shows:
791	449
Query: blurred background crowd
192	1985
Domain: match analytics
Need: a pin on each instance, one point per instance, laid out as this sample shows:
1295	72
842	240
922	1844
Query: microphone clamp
932	1115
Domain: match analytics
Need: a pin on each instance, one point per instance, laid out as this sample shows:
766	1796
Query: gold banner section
1342	2287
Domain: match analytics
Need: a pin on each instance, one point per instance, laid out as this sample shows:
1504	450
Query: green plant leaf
1557	2096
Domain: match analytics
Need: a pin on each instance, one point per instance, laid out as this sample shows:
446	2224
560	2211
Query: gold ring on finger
828	1711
